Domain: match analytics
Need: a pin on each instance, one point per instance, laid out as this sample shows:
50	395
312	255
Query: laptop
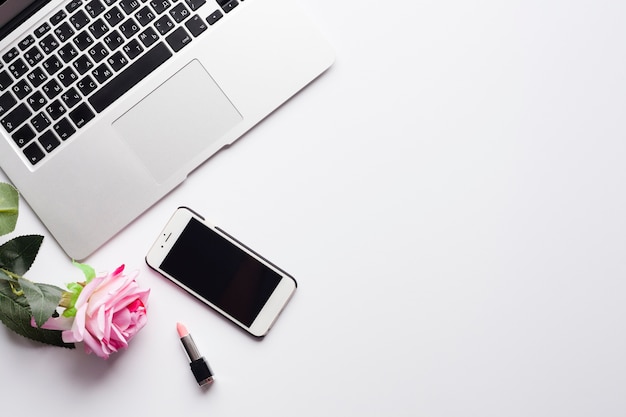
108	105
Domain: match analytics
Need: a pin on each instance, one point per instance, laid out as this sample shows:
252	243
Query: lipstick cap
201	371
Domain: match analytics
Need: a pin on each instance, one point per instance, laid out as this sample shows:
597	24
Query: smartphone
221	272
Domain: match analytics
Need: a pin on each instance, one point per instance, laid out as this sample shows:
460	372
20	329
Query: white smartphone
221	271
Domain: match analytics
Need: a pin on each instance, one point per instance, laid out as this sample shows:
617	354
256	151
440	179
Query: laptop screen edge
20	13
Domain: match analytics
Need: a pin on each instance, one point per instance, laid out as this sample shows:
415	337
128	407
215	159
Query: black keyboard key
117	61
64	31
230	5
83	40
148	37
214	17
55	109
114	16
195	4
79	20
52	89
94	8
129	28
178	39
7	101
87	85
58	17
81	115
67	52
34	153
42	30
73	5
40	122
98	52
98	28
179	12
102	73
82	64
36	101
129	6
160	6
23	135
37	77
49	44
64	129
71	98
16	117
133	49
26	42
67	76
52	65
132	75
33	56
145	16
5	80
21	89
113	40
18	68
164	25
196	26
49	141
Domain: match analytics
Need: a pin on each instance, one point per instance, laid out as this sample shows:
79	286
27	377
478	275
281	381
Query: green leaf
12	284
18	254
9	199
5	276
17	317
89	272
74	290
42	298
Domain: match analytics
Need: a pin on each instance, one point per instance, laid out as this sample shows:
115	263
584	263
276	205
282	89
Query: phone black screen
220	272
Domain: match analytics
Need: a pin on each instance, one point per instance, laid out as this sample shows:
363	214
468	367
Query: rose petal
78	327
55	323
93	345
111	309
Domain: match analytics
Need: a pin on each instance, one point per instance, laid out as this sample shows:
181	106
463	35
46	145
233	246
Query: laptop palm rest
164	138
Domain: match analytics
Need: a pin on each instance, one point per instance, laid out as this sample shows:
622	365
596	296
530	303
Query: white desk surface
450	196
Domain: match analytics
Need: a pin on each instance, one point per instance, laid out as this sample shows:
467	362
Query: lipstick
198	364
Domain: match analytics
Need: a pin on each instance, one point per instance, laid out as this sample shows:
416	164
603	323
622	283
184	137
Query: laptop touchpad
176	122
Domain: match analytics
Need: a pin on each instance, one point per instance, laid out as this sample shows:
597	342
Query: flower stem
66	300
11	274
15	287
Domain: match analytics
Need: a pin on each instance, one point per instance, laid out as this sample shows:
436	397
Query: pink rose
110	310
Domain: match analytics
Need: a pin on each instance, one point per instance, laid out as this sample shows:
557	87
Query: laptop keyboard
89	53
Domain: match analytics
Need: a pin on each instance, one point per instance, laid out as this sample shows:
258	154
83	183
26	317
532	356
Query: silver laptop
107	105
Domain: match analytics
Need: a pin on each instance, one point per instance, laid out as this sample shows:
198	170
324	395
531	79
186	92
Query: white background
450	198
